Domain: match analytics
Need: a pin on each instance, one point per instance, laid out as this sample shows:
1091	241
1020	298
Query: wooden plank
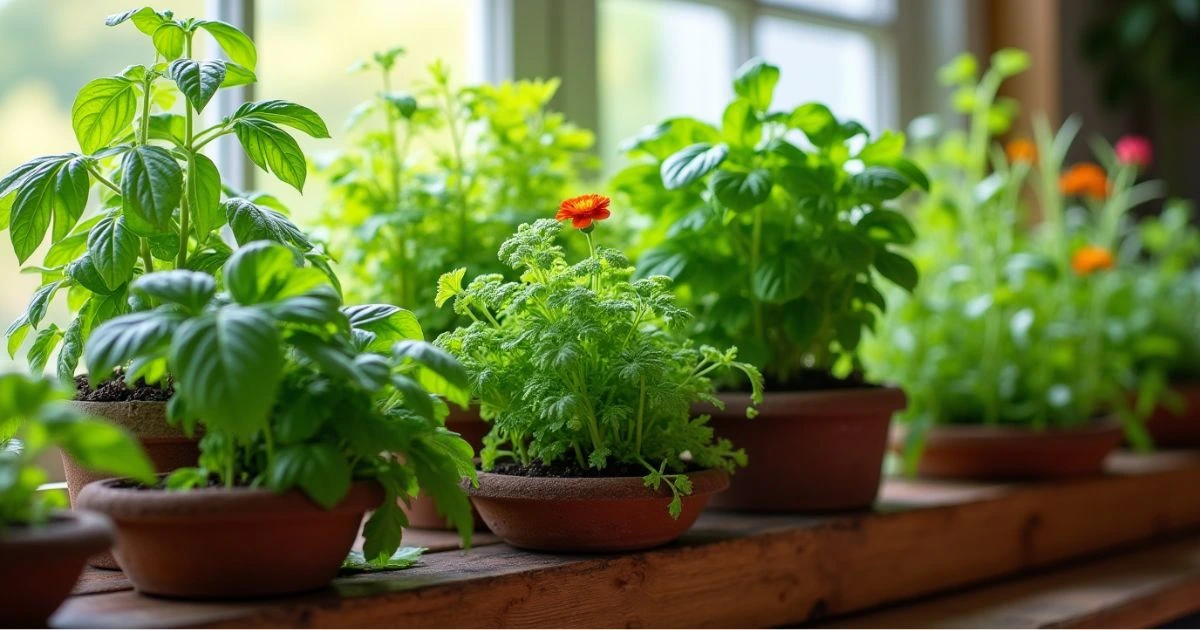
736	569
1139	589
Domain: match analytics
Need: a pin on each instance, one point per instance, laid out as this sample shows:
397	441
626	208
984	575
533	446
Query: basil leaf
272	149
103	111
113	249
197	80
691	163
151	186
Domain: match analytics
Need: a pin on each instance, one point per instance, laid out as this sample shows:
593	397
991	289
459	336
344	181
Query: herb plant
775	247
34	418
578	363
1016	324
296	391
441	178
159	196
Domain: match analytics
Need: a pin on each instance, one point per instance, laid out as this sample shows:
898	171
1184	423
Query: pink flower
1134	150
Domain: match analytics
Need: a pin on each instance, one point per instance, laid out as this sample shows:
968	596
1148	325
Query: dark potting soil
213	482
572	469
115	390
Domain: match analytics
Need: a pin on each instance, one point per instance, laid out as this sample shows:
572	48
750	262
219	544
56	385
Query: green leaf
755	81
740	126
415	396
237	46
16	333
805	182
265	271
6	204
146	19
318	307
449	285
319	469
382	532
168	40
884	150
83	271
404	104
122	339
43	345
886	226
691	163
251	222
739	190
198	80
151	186
386	324
70	196
287	113
236	75
33	208
228	366
876	184
896	268
272	149
802	321
102	112
189	289
40	302
71	350
780	279
910	170
443	374
113	250
1010	61
403	558
961	69
204	196
817	123
101	447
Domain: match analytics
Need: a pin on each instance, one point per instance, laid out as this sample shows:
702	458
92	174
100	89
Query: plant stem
190	182
147	258
637	449
755	258
456	145
103	180
592	255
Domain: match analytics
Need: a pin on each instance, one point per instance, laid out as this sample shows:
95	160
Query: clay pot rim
217	504
816	404
500	486
1104	425
87	530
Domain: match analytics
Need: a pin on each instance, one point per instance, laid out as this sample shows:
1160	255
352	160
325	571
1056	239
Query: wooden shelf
732	569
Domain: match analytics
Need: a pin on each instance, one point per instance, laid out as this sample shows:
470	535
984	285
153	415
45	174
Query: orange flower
1021	150
584	209
1084	180
1090	259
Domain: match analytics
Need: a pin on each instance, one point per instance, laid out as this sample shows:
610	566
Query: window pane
306	46
659	59
833	66
873	10
49	50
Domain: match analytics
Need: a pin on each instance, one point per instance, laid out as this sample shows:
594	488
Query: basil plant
159	197
776	227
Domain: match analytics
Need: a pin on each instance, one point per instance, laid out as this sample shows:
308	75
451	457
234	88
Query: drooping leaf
33	208
443	374
281	112
102	111
252	222
198	80
40	302
151	187
319	469
272	149
204	196
42	347
121	339
70	196
113	249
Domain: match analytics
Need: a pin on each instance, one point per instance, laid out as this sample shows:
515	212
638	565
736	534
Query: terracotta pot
587	514
808	451
166	446
40	565
421	512
1178	430
229	543
1002	453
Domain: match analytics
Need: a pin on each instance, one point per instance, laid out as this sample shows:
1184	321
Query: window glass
306	47
833	66
874	10
659	59
48	50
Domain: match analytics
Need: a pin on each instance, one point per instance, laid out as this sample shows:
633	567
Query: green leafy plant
34	418
776	247
1017	323
577	363
296	391
441	178
160	203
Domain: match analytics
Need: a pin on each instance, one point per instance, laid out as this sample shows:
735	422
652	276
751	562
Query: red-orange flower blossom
1085	180
1090	259
584	209
1021	150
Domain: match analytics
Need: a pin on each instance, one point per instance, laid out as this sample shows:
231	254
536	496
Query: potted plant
438	179
1166	294
44	546
782	250
593	446
1016	351
159	208
313	414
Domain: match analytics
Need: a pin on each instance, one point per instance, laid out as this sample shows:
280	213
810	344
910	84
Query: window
663	57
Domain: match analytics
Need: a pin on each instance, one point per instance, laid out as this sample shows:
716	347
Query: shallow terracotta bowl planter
421	511
808	451
167	447
40	565
587	514
229	543
1180	429
1003	453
